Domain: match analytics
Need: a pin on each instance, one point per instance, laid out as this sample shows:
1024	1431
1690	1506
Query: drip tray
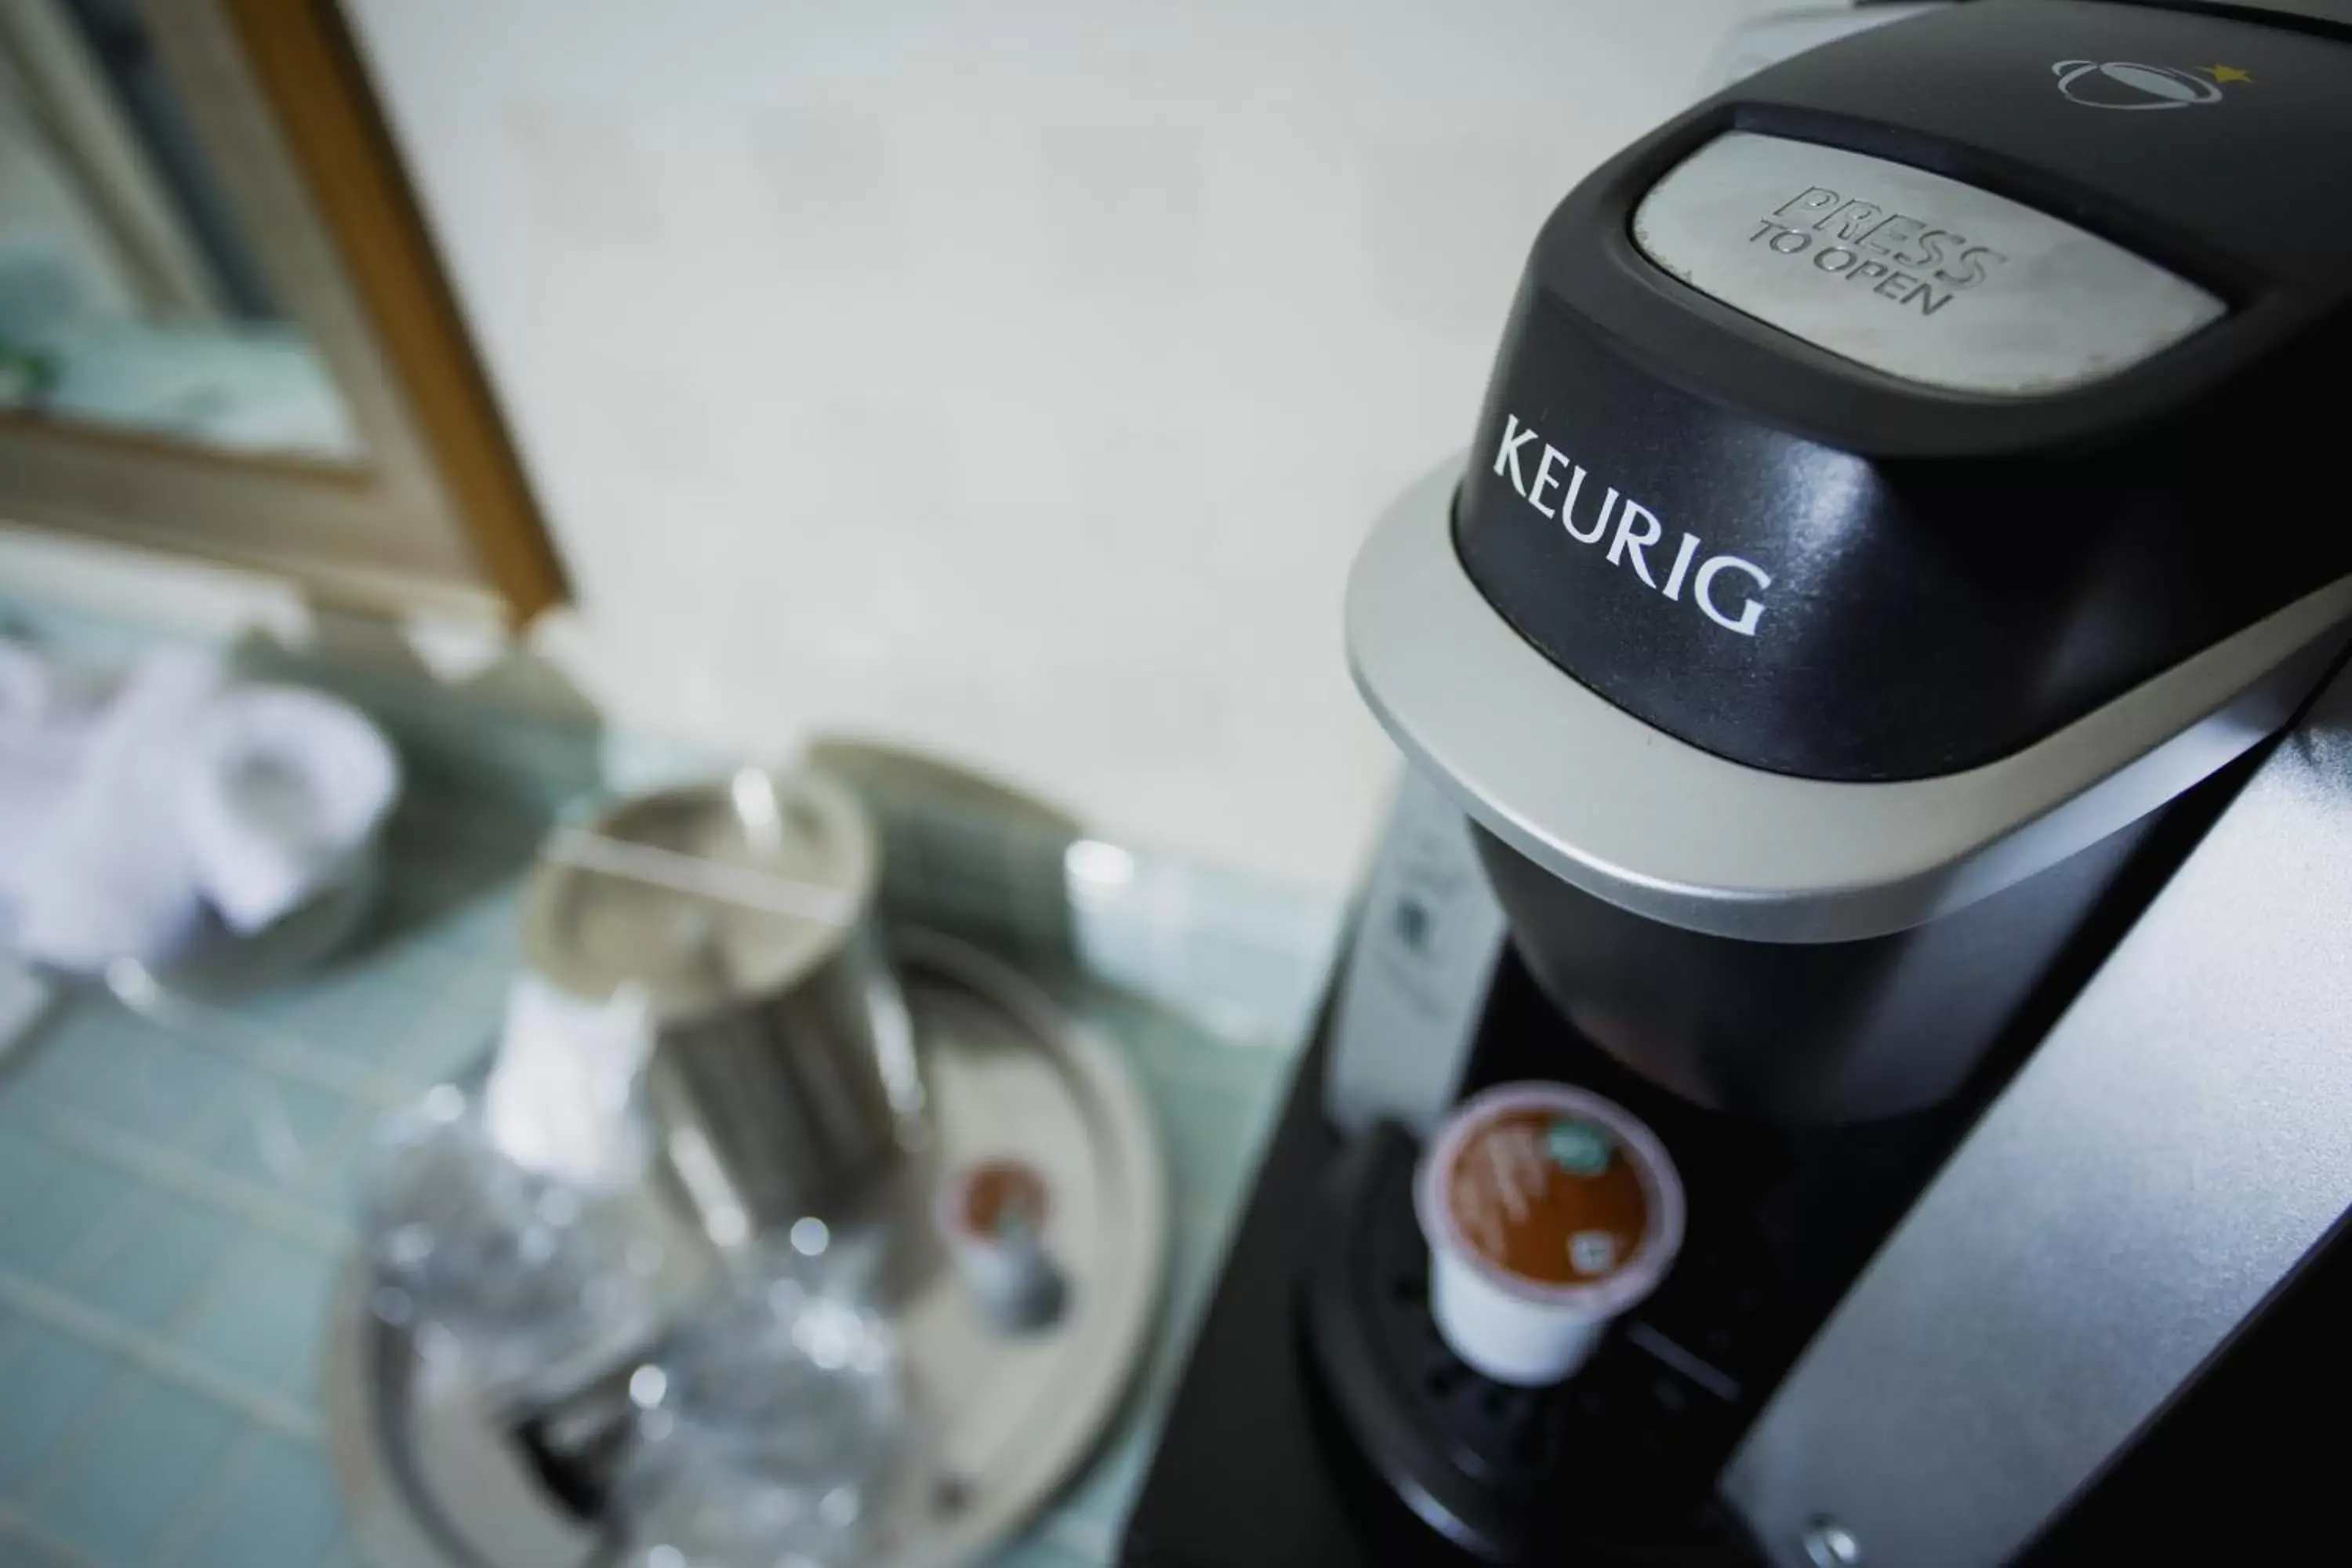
997	1423
1617	1463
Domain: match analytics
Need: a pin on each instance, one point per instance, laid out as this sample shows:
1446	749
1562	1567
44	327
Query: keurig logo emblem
1723	587
2128	84
1910	262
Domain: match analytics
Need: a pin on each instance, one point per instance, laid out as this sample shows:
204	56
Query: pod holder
1617	1463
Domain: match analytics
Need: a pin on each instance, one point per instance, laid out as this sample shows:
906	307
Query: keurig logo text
1726	588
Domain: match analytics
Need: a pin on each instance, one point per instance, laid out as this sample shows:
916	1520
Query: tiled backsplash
177	1186
176	1179
179	1199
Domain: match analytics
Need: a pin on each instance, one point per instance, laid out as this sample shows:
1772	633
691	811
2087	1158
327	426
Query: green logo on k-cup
1579	1148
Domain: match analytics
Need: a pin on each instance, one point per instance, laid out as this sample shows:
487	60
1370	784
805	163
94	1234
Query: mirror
224	329
132	295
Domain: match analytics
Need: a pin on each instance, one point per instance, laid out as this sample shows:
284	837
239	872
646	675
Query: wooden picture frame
435	514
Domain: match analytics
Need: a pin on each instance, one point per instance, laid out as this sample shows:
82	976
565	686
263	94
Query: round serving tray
434	1477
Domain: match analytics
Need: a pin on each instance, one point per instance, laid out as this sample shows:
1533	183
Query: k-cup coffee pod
992	1214
1548	1212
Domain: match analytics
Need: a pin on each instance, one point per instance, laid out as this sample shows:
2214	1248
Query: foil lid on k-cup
1548	1211
992	1214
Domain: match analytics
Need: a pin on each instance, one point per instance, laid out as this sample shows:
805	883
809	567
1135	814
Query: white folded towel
27	691
42	740
105	872
47	710
279	791
121	820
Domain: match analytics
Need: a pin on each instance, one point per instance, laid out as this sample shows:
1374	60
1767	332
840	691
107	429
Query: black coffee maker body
1871	699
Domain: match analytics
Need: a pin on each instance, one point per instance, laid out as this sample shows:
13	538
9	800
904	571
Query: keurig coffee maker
1872	693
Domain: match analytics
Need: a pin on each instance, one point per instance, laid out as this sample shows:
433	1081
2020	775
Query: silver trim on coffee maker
2170	1154
1661	829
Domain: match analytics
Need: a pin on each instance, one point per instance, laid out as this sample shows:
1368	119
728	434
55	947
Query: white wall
1016	378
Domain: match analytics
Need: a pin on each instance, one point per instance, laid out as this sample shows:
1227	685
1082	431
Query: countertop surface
176	1178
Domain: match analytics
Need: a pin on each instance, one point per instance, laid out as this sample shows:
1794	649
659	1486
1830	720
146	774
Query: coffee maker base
1319	1420
1615	1463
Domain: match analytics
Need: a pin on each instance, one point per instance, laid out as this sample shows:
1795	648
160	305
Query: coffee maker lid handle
1662	828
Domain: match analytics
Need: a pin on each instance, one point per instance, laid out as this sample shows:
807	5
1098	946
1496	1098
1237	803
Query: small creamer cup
1010	1270
1527	1332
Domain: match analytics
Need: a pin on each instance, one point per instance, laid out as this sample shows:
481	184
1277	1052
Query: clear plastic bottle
767	1431
524	1284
